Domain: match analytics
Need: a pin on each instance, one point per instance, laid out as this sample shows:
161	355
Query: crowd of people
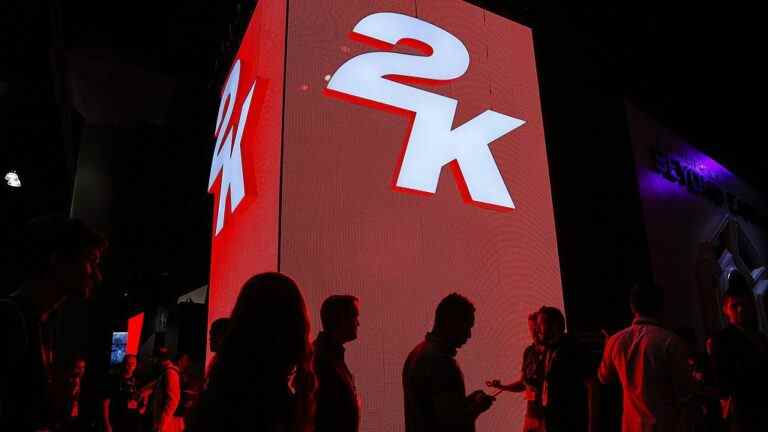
159	399
666	385
267	374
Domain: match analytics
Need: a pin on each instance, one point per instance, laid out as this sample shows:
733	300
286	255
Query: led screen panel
119	344
135	327
245	172
412	164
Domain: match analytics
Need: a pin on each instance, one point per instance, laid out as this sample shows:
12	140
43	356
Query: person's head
130	362
78	367
267	342
646	300
454	319
65	252
163	356
738	302
551	324
532	327
339	315
268	330
183	361
217	332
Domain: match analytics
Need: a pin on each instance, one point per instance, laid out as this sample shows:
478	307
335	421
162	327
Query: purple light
701	163
691	159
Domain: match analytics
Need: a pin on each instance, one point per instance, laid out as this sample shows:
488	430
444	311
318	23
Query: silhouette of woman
267	343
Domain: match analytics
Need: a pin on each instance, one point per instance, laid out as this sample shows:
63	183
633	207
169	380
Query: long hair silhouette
267	342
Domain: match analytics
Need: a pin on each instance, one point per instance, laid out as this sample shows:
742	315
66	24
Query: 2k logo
432	144
227	157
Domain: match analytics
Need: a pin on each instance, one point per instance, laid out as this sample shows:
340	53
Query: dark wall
597	211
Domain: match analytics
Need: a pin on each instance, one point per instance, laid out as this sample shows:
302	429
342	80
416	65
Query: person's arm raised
514	387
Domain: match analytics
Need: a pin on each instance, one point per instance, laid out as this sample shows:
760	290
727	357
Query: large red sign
245	171
335	133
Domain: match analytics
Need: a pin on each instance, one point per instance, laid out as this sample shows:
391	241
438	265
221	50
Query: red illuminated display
318	176
248	240
135	326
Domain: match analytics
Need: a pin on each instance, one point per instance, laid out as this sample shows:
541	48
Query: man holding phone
435	396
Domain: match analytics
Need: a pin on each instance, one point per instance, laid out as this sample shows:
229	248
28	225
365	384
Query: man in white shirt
651	365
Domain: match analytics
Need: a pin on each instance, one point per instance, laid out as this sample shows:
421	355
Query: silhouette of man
435	396
564	390
120	405
651	364
531	376
337	409
66	397
216	334
191	384
61	261
739	360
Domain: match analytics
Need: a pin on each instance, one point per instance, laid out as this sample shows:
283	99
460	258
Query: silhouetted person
120	400
531	379
564	390
651	364
216	335
268	341
66	397
740	361
338	409
166	395
435	396
704	407
61	258
191	385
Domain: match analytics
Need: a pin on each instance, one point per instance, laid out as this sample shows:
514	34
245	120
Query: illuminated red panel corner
135	327
248	242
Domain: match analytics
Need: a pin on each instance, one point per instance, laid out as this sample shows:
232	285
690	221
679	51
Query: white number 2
432	143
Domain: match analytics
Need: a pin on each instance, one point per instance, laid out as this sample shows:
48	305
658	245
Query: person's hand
481	401
495	384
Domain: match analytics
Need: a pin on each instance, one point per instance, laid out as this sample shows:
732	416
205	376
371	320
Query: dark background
147	112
